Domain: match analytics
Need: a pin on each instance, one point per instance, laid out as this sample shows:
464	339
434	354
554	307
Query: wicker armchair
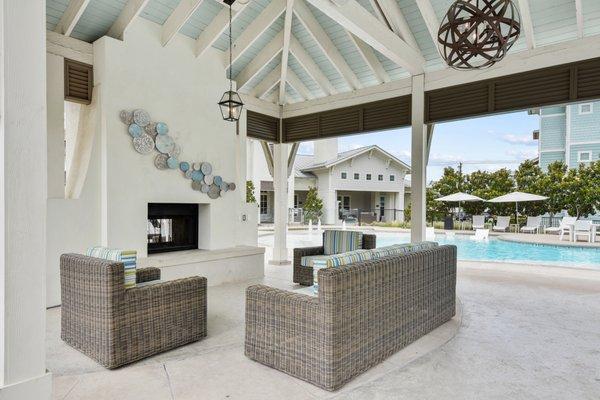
364	313
117	326
304	275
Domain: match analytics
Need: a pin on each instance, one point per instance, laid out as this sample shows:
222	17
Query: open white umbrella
517	197
459	197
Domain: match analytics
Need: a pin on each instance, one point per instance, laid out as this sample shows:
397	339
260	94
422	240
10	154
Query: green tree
529	178
436	210
477	184
579	191
452	181
501	182
250	192
313	205
551	186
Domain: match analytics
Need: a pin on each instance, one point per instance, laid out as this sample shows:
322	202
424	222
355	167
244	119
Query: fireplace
172	227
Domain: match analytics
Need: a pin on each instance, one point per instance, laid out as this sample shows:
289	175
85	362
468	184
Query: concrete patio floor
525	332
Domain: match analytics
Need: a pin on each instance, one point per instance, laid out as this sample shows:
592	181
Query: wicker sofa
117	326
364	313
304	275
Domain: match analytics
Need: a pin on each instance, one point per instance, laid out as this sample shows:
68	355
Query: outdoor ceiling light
230	104
477	34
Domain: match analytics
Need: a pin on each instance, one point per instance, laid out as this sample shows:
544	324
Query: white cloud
519	139
522	154
306	148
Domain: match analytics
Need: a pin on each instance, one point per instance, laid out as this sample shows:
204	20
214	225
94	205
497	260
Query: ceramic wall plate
218	180
144	144
198	176
160	161
188	173
135	130
164	143
208	179
141	117
126	117
176	152
151	129
224	186
162	128
196	185
206	168
173	162
197	166
232	186
184	166
205	188
213	191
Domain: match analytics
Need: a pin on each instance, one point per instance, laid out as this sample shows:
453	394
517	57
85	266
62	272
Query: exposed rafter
579	13
216	28
132	9
431	20
393	14
363	24
69	47
311	67
526	23
326	44
262	59
177	19
370	59
71	16
287	34
268	83
294	81
257	27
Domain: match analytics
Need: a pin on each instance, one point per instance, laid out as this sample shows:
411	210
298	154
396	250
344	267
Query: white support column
419	165
23	194
280	208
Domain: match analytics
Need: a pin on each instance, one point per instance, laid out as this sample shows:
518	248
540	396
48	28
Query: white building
367	183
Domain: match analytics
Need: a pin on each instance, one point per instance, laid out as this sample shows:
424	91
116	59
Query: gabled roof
347	155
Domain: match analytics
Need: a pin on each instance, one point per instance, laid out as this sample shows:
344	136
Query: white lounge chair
565	226
481	235
429	233
533	225
478	222
582	228
502	224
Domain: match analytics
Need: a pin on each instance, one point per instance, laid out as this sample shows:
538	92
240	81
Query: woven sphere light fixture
477	34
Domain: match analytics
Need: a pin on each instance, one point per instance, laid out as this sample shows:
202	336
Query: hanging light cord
230	51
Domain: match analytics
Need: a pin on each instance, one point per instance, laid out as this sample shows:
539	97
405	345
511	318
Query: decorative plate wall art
147	135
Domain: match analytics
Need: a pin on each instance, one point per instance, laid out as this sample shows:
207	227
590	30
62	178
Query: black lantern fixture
476	34
230	104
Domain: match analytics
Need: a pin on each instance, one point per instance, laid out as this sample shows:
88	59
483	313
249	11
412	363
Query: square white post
280	208
23	195
418	161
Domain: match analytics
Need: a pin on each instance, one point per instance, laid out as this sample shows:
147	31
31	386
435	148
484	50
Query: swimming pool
492	250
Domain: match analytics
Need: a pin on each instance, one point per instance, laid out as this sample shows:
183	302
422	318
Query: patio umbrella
517	197
459	197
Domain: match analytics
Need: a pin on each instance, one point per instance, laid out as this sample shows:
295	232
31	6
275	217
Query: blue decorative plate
184	166
135	130
208	179
206	168
164	143
162	128
218	180
197	176
172	162
224	186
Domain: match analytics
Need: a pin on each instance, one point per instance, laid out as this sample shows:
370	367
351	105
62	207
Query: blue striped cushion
127	257
336	242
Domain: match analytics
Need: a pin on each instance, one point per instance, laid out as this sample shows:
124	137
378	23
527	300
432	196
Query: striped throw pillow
336	242
338	261
127	257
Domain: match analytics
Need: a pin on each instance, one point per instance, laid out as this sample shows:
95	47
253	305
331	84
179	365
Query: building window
586	108
344	175
344	203
368	177
380	177
263	204
392	178
584	156
295	201
357	176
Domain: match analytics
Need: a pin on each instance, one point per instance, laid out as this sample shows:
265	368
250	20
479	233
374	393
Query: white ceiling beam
579	13
177	19
299	86
326	44
431	20
526	23
132	9
287	34
264	57
257	27
396	19
363	24
71	16
370	59
266	84
253	104
216	28
68	47
311	67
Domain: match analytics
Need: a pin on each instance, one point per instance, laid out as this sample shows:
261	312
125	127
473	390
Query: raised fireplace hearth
172	227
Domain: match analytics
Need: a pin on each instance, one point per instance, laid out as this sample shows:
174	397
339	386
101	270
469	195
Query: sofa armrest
147	274
369	241
306	251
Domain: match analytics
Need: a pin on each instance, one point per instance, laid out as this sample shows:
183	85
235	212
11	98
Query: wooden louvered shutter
79	81
260	126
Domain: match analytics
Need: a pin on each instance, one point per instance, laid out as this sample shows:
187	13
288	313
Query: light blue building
569	133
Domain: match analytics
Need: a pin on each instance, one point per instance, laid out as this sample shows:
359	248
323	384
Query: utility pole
460	166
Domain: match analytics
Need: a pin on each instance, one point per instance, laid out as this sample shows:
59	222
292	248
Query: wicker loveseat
304	275
364	313
117	326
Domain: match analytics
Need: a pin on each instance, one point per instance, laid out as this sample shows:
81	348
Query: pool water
492	250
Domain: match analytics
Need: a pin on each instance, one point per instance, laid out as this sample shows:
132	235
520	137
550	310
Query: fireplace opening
172	227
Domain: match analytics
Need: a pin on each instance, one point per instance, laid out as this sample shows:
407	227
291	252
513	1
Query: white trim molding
587	160
582	105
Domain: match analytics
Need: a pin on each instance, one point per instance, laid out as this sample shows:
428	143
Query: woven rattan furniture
304	275
364	313
117	326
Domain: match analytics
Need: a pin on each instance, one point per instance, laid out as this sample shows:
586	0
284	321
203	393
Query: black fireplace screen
172	227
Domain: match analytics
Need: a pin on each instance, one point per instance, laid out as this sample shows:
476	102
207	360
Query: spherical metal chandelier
477	34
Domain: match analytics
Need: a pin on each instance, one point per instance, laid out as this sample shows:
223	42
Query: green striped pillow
336	242
127	257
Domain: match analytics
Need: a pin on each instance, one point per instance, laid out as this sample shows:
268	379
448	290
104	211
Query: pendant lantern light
230	104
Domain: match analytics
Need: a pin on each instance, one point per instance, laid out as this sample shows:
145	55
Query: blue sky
487	143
